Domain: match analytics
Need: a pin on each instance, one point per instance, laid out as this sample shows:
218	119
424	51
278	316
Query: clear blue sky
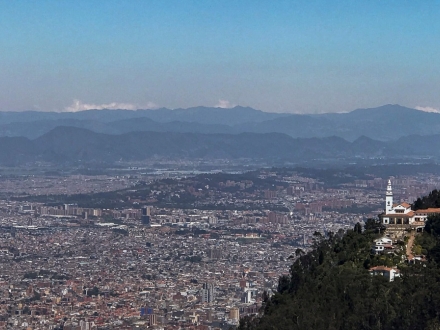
289	56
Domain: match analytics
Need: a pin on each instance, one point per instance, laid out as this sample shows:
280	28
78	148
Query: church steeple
389	198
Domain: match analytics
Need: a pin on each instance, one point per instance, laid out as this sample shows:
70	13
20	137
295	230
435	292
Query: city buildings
197	267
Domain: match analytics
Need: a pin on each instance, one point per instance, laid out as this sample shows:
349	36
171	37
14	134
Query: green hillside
331	288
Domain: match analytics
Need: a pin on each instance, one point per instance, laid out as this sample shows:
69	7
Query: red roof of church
404	204
383	268
429	210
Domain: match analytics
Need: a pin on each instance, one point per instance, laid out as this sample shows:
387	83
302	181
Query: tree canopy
432	200
330	288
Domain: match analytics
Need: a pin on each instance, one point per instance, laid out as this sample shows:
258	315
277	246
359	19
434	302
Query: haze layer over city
168	164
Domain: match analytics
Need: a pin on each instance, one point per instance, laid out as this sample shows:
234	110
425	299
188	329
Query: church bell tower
389	198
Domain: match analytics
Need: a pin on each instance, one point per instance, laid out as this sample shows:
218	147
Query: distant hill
38	128
32	124
203	115
72	144
385	123
389	122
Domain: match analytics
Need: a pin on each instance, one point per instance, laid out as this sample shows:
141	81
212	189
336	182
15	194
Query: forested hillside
331	288
432	200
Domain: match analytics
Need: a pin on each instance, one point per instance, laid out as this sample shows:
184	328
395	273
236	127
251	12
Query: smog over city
216	165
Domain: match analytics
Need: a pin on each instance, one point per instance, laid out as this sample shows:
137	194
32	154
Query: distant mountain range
71	144
386	123
387	132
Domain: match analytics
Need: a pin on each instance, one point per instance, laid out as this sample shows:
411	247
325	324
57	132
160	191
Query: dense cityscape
175	251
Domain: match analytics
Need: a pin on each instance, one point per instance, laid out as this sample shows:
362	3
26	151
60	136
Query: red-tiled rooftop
383	268
428	210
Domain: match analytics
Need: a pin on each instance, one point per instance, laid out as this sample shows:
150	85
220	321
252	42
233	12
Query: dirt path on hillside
409	247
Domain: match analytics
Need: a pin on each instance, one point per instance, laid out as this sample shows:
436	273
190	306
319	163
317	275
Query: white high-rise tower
389	198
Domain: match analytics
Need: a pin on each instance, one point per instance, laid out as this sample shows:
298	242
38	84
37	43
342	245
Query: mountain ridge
385	123
72	144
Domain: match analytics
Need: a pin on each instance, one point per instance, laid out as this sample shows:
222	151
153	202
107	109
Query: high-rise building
214	253
270	194
234	313
146	210
208	293
272	217
145	217
152	319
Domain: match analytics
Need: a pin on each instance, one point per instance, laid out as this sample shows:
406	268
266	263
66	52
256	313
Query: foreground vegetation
331	288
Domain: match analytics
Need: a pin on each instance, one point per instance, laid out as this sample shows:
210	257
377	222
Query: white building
382	245
383	241
389	273
402	214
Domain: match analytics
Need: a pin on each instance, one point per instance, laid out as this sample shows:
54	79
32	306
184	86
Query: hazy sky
289	56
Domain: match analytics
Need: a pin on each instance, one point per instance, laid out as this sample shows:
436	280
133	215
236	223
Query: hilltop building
402	214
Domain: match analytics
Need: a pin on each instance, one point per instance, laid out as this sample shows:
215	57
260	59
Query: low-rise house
389	273
377	249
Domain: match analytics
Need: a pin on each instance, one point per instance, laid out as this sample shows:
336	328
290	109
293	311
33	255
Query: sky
278	56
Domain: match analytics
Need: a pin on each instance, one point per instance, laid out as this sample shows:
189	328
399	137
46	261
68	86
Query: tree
283	284
299	252
417	249
372	224
432	225
358	228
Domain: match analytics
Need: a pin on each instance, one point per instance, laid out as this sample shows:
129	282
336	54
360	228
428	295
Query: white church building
401	213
